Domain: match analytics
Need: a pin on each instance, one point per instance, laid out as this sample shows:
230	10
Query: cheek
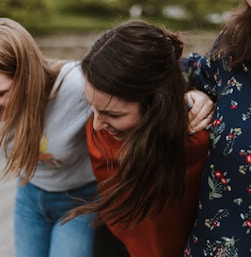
128	123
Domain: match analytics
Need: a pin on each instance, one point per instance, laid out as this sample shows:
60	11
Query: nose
98	122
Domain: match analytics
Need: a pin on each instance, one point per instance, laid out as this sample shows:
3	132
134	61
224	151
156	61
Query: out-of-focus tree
27	12
198	12
95	8
180	14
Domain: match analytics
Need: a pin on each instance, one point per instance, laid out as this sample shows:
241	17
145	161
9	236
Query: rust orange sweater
166	234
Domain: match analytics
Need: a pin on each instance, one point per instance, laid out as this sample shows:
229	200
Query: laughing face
112	114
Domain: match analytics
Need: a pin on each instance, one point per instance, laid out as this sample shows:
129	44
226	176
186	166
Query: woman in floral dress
223	225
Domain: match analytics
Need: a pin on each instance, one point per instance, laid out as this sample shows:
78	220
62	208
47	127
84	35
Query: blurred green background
50	16
66	29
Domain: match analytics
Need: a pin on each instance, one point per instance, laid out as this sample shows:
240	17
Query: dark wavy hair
139	62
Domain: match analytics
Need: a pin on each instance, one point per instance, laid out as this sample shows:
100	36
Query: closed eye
114	116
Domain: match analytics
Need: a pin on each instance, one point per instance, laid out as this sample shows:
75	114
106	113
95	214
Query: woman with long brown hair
147	166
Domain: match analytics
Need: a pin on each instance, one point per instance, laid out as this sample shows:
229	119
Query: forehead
101	100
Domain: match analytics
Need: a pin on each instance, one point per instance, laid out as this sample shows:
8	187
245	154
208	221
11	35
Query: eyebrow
104	110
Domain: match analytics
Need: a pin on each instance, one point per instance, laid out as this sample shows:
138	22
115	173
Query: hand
200	112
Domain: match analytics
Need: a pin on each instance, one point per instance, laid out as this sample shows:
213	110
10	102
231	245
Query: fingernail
189	105
191	132
208	127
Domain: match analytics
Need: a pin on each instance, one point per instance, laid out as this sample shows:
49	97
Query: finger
189	101
203	124
196	115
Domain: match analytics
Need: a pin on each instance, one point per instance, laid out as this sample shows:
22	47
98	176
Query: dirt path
74	46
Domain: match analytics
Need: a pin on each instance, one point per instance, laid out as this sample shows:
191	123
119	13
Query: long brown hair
234	41
138	62
24	115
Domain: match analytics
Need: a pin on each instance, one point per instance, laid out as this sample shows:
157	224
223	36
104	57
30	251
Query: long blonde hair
24	115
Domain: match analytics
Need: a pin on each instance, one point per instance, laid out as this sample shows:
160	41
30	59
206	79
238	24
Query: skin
112	114
200	112
5	86
248	2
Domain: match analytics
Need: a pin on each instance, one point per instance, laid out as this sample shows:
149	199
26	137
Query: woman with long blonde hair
43	114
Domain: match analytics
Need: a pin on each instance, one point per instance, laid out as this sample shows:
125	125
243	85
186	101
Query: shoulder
71	71
70	78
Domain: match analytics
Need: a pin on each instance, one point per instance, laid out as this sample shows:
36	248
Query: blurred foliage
95	8
27	12
198	10
83	15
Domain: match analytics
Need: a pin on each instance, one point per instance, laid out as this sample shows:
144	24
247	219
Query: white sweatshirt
64	162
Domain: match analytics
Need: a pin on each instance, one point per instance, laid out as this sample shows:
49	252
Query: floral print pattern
223	224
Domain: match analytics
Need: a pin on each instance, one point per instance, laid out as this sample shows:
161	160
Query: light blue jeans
37	228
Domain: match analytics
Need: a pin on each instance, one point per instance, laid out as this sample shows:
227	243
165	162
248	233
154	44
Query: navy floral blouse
223	224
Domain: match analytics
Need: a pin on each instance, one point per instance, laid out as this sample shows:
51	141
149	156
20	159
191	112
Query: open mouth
113	132
116	134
